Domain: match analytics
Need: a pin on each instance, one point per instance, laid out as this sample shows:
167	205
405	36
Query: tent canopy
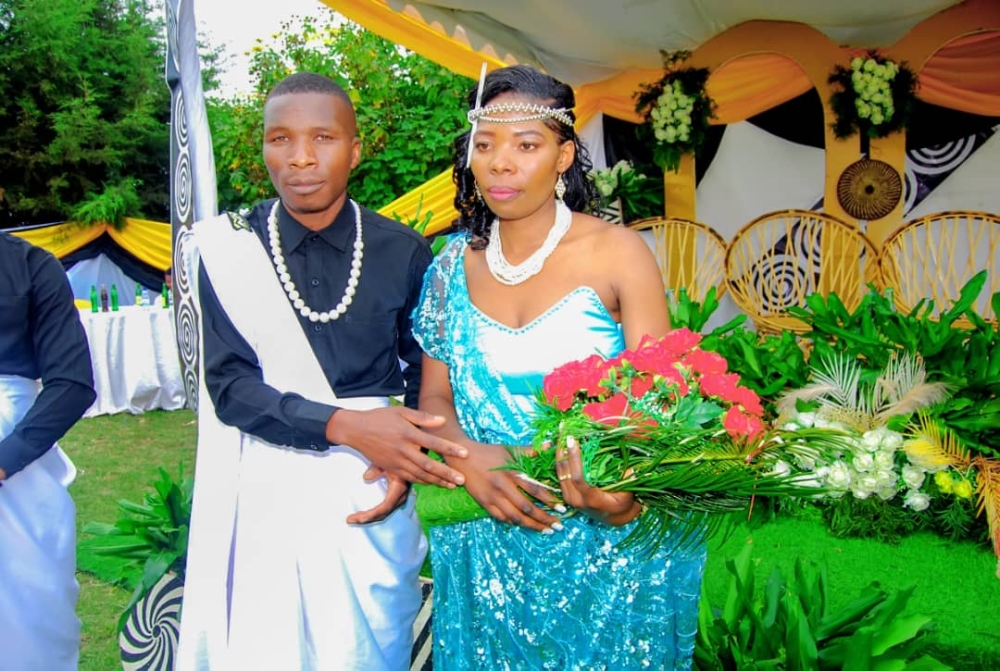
583	41
761	54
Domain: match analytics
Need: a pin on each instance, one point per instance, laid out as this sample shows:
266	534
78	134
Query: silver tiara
532	113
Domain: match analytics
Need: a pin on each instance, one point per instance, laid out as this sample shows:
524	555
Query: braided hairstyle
474	217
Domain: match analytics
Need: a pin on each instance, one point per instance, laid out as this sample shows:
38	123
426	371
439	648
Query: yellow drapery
148	241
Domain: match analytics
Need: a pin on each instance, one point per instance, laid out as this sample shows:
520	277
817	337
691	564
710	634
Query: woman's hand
505	494
614	508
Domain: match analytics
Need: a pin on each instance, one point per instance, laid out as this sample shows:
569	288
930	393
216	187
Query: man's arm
63	356
236	385
409	349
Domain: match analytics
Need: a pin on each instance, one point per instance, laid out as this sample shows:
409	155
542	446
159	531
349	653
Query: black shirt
41	337
359	353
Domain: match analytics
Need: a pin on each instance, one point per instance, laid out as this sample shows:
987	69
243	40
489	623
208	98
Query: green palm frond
693	484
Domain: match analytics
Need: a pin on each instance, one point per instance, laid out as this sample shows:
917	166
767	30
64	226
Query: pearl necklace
509	274
274	240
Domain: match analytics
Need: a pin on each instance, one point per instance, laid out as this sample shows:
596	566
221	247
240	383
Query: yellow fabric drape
148	241
414	34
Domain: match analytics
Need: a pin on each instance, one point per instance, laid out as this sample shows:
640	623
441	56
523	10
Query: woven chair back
690	254
775	261
934	256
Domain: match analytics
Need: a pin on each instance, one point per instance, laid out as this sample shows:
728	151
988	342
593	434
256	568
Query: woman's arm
500	492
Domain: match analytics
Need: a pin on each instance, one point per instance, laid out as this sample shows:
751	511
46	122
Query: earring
478	193
560	188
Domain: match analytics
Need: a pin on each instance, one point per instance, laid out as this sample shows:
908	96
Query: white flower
886	478
885	493
885	460
872	440
864	486
916	500
839	476
863	462
781	468
913	476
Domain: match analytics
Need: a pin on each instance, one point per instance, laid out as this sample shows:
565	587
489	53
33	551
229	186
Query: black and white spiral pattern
149	640
421	658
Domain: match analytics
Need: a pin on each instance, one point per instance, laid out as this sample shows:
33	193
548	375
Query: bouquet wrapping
668	423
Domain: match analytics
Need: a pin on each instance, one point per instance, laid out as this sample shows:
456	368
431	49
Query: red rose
593	370
611	411
679	341
640	385
560	388
749	400
740	425
720	385
705	363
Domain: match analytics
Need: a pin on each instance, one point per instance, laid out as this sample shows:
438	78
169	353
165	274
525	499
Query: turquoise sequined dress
511	598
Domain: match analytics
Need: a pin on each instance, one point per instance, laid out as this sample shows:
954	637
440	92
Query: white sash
38	589
275	577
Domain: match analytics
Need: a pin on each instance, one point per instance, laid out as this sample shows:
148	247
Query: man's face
310	148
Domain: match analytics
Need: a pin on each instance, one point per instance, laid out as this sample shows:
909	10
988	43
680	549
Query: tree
409	111
84	110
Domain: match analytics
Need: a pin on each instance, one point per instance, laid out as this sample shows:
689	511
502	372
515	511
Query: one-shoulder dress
511	598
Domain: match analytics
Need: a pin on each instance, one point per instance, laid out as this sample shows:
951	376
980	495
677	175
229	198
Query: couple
305	546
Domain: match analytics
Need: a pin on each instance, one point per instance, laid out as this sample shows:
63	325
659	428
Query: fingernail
557	526
559	508
548	532
571	443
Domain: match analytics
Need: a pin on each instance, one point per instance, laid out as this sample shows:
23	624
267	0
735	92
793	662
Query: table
136	365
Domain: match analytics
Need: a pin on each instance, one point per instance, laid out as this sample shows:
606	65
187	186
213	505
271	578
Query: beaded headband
531	113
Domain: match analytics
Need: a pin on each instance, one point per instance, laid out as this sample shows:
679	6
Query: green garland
876	97
677	111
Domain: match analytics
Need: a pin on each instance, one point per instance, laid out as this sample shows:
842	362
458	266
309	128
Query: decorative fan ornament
869	189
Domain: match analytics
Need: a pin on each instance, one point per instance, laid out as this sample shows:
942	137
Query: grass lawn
118	456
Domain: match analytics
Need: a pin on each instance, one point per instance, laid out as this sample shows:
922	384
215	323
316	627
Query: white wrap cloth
275	578
39	628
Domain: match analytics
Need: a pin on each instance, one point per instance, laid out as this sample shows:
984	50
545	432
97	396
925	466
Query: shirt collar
339	234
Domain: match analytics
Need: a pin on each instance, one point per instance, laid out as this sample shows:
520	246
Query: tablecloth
136	365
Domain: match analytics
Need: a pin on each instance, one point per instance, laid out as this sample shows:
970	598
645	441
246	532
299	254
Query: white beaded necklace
509	274
274	239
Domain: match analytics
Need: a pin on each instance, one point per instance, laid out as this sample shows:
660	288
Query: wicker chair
777	260
690	254
934	256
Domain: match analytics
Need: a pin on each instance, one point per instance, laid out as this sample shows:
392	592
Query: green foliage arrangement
409	111
794	627
150	538
84	111
676	109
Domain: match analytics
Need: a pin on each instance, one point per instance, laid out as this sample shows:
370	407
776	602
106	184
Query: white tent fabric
101	271
582	41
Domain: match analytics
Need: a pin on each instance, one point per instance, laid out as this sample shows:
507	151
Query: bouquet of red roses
668	423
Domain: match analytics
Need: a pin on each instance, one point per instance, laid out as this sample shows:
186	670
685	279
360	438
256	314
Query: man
41	337
305	547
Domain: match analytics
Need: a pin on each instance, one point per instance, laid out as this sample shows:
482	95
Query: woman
533	283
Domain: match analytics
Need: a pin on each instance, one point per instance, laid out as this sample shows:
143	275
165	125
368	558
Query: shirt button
317	327
313	238
314	446
314	281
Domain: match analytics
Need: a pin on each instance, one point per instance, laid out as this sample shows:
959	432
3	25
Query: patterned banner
192	178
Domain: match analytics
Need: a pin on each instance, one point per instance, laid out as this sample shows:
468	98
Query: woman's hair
474	217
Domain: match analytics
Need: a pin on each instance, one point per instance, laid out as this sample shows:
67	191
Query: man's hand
395	496
392	439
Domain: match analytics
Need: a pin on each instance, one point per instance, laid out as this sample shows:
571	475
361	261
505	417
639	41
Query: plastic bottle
104	298
165	294
114	298
94	302
140	295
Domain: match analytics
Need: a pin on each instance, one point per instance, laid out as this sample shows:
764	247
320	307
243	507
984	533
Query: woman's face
516	164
